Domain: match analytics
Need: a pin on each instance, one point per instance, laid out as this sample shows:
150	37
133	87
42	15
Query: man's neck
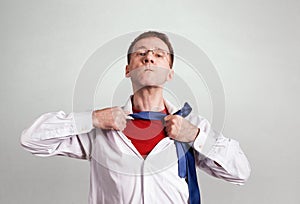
149	99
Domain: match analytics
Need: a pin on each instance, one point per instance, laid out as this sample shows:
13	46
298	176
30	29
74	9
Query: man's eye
160	53
142	53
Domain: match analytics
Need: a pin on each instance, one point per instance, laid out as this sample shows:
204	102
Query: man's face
149	63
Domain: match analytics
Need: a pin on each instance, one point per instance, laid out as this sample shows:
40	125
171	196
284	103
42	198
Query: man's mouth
148	69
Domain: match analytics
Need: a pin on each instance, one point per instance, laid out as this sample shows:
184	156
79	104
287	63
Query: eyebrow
143	47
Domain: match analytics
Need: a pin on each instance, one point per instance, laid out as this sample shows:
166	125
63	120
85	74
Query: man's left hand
180	129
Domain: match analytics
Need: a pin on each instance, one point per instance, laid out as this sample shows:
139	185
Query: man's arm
217	155
59	134
70	135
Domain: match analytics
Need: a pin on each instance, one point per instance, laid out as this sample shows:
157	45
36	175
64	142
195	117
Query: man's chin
148	84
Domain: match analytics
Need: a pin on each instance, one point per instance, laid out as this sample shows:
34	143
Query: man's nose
149	58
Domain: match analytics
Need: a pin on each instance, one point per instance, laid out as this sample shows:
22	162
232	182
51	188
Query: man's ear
170	75
127	72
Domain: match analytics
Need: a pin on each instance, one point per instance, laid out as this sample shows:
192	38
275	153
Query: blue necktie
186	161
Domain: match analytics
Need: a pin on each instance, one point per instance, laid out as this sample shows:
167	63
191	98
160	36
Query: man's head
152	34
150	60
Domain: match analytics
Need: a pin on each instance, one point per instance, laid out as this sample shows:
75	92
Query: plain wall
254	45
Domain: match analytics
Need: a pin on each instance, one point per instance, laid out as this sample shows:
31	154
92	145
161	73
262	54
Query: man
135	161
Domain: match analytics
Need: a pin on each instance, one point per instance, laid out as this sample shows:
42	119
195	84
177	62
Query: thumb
168	117
126	113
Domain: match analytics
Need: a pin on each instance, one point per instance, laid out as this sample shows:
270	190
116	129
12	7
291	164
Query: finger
124	123
171	121
123	113
166	123
122	116
170	131
126	112
114	127
121	125
120	122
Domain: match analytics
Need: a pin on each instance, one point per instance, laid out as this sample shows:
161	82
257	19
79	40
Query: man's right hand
109	118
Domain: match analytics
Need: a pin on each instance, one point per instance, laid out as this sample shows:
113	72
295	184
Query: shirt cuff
200	141
83	122
205	141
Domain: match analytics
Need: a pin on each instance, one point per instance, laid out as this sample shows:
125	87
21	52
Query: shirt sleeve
57	133
219	156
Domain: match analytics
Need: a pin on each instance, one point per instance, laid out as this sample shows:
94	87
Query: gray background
254	45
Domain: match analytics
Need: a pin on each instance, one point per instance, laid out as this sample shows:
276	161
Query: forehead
151	43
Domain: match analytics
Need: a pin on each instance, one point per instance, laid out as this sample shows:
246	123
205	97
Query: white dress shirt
118	173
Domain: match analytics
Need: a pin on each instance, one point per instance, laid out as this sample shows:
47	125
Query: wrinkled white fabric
118	173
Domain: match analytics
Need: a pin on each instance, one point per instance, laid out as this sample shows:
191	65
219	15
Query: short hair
149	34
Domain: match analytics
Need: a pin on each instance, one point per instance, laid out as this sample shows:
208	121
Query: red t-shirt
145	134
